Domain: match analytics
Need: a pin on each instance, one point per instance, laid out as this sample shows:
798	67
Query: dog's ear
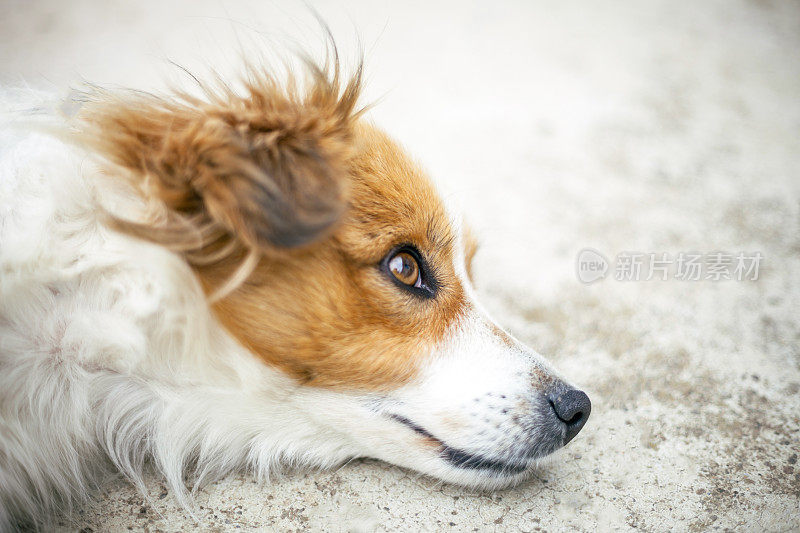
267	166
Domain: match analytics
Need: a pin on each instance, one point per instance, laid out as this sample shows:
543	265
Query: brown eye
405	268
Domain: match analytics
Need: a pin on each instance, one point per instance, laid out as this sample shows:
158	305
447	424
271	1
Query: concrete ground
651	127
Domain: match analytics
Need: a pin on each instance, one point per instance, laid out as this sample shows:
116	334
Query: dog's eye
404	268
407	268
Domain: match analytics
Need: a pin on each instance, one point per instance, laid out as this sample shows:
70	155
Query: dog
248	276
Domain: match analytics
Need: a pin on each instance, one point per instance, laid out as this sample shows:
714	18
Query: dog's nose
572	407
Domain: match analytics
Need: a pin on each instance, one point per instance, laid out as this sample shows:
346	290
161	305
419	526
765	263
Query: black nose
572	407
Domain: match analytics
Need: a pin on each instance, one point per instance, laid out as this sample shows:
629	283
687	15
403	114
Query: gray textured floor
638	126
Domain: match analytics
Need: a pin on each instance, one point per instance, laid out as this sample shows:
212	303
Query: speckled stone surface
622	126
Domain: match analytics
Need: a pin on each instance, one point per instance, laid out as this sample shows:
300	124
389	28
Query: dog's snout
572	407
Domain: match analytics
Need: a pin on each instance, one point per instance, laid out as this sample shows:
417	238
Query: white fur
110	359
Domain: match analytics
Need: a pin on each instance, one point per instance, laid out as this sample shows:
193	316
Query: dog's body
346	324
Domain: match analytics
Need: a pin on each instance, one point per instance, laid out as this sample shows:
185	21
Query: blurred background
648	127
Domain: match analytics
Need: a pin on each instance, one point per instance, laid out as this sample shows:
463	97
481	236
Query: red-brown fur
317	197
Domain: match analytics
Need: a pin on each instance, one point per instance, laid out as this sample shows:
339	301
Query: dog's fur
200	283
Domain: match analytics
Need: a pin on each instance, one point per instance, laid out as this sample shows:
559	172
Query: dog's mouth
465	460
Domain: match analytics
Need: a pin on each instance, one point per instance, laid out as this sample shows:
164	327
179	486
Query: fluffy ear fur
261	170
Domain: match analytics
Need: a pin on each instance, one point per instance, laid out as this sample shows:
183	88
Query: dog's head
338	264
